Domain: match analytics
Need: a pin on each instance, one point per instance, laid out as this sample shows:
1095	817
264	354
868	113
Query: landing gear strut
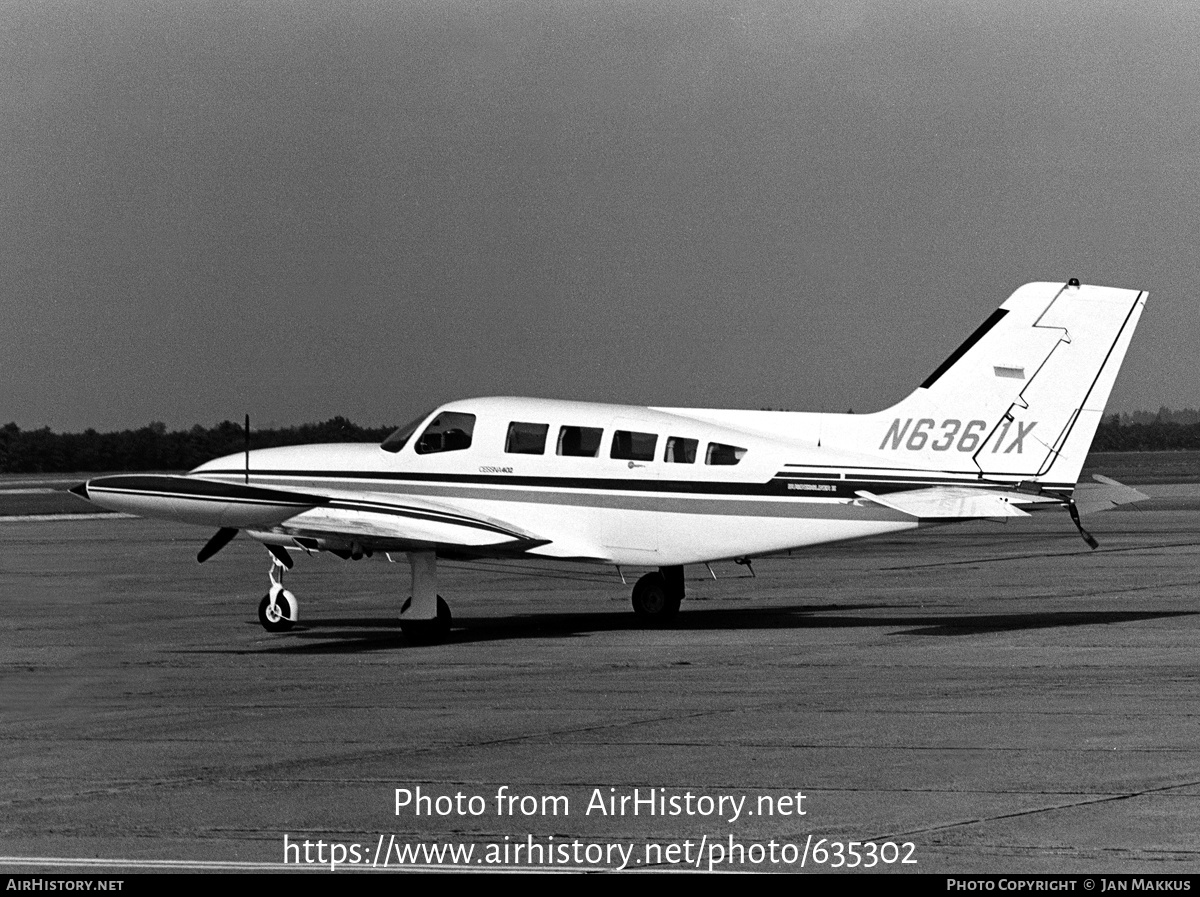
279	610
425	617
657	596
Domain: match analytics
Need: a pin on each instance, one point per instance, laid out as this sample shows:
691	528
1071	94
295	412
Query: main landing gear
425	617
657	596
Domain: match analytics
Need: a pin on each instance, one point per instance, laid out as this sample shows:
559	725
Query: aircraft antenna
247	448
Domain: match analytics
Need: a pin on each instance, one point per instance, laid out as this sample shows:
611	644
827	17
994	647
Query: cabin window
397	440
526	439
630	446
450	431
680	450
723	454
579	442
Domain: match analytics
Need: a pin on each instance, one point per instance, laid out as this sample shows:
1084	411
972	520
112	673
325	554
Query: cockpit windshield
450	431
400	438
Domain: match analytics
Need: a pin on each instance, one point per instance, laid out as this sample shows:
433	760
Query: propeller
225	534
222	538
1087	537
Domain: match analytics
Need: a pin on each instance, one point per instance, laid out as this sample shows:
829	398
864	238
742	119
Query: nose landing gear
279	610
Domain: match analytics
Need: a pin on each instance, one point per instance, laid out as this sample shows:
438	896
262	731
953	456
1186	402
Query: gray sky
299	210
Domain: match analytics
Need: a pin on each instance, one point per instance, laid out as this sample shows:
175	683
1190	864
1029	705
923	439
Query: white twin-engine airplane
1002	427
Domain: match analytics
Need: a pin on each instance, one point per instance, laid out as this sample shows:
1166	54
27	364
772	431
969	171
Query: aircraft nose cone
80	490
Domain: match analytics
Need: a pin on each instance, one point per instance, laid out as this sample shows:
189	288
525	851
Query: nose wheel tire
282	616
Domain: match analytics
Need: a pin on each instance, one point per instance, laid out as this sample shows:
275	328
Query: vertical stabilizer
1022	397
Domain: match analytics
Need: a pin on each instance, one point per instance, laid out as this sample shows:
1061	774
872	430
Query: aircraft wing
339	521
195	500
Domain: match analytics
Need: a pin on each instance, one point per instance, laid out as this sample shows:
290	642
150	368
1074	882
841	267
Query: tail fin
1022	397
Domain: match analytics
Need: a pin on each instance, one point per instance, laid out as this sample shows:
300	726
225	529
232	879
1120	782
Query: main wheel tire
653	601
429	632
282	616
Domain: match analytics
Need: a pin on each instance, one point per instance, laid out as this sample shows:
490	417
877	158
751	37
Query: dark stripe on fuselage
915	474
819	506
686	487
793	486
776	486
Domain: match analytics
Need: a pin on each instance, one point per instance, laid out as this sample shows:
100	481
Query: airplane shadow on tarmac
351	636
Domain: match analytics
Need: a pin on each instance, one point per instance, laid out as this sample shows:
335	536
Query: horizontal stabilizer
1104	494
948	502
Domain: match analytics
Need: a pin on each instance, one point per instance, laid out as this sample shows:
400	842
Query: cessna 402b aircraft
1002	427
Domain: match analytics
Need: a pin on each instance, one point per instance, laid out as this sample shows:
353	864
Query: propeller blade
222	538
1087	537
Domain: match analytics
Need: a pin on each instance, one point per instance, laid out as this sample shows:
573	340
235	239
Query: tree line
1158	433
153	447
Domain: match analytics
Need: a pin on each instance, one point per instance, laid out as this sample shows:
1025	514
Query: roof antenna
247	448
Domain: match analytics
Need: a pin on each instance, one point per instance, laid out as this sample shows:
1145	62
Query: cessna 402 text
1002	427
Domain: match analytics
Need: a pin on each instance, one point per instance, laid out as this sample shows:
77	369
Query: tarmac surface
974	698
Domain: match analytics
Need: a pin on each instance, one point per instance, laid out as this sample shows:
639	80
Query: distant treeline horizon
153	447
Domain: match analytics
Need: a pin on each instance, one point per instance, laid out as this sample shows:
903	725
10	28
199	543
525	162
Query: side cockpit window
400	438
723	454
450	431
